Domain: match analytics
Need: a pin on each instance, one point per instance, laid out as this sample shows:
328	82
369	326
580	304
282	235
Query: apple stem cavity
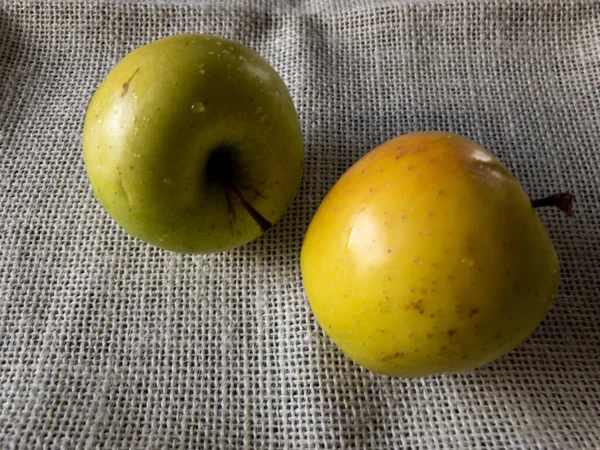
263	223
222	169
562	201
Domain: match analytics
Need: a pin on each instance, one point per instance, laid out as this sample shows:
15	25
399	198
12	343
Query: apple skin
156	121
427	257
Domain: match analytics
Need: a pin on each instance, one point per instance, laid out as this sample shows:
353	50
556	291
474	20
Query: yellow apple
427	257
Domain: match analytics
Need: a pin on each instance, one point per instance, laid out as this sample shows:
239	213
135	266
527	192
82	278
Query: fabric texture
106	342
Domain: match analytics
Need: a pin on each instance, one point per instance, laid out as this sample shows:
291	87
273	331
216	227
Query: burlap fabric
106	342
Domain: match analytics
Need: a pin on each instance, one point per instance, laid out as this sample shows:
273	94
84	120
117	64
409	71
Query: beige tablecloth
106	342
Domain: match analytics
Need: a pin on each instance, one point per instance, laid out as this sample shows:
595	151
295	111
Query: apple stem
263	223
562	201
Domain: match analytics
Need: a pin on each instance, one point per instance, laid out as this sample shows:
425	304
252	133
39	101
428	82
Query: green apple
192	144
427	257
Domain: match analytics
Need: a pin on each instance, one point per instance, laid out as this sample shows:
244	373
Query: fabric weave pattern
106	342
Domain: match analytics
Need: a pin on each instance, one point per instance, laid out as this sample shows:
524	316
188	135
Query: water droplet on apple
201	71
168	181
211	53
137	155
198	107
219	43
241	58
134	97
469	262
100	121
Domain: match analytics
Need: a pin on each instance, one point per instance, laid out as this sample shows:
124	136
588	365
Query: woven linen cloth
106	342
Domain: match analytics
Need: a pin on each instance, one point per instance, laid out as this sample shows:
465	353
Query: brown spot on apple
257	192
416	305
126	84
392	356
